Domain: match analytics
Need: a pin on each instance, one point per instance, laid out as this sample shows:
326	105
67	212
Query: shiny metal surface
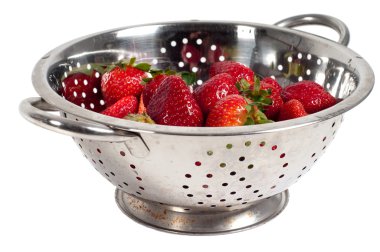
315	19
170	219
213	173
37	111
204	169
283	53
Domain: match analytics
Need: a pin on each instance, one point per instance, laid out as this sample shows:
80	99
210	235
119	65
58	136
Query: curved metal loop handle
37	111
318	19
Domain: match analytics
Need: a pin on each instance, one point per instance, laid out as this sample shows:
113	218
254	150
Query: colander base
167	218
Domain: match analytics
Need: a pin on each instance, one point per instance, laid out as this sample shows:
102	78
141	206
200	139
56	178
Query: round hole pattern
201	180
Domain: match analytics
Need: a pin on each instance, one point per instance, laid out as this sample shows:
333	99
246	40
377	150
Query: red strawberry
229	111
83	90
235	69
292	109
173	104
123	80
268	82
123	107
312	96
151	87
272	110
213	90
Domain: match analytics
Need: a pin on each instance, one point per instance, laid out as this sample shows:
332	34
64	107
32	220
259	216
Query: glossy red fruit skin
123	107
313	97
214	89
151	87
229	111
268	82
119	83
87	91
292	109
173	104
235	69
273	110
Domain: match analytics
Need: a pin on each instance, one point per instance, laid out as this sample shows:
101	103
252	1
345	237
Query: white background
51	199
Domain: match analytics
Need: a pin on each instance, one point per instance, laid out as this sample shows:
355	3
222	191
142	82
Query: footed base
166	218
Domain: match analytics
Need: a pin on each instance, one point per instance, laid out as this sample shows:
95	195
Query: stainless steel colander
204	180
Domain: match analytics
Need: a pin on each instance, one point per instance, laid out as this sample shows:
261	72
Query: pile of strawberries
232	96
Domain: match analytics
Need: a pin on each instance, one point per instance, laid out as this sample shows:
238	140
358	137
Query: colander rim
363	89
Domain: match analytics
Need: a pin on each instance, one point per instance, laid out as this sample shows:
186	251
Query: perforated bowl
204	180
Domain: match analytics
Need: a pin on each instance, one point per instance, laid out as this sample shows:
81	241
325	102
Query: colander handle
318	19
37	111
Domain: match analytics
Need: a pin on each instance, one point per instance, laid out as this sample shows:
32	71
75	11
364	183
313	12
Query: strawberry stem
257	97
143	67
132	61
188	77
124	63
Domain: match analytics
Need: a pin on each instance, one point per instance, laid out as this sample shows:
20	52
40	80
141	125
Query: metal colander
204	180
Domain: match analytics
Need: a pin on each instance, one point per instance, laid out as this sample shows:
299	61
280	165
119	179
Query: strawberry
254	92
312	96
274	89
83	89
235	110
159	76
123	107
235	69
292	109
123	79
151	87
268	82
173	104
229	111
213	90
272	110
